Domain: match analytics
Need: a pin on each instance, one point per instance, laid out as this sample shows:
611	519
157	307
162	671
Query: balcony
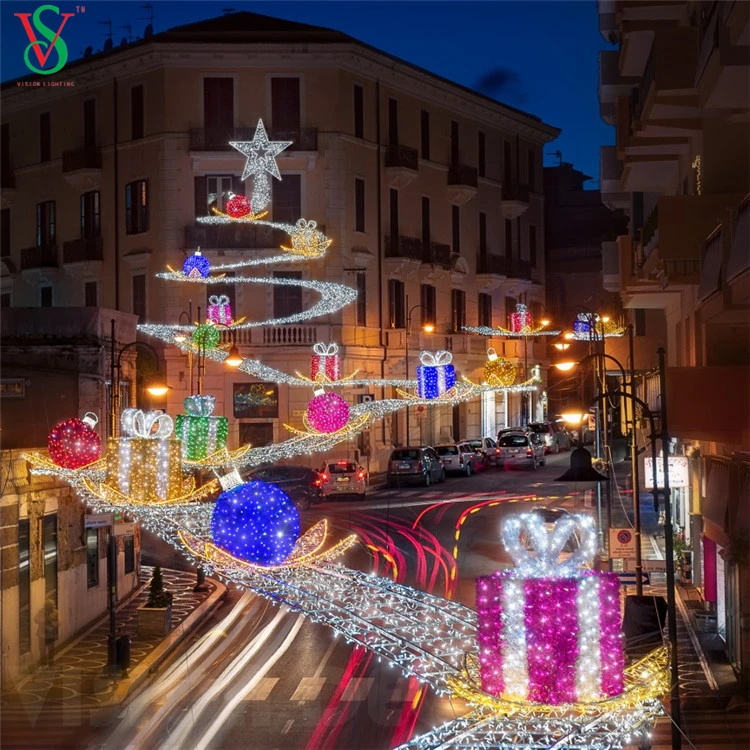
610	169
515	199
494	265
233	237
519	269
462	183
438	254
611	84
401	165
217	139
83	250
82	167
44	256
400	246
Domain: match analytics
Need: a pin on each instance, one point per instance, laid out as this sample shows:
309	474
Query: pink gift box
325	362
219	310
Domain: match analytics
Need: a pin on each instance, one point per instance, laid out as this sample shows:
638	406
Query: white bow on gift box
150	424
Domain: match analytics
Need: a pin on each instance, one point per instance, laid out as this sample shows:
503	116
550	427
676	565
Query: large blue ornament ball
196	265
256	522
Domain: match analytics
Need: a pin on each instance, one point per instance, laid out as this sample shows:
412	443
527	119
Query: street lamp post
428	328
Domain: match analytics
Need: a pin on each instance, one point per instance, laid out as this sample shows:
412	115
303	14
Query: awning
718	488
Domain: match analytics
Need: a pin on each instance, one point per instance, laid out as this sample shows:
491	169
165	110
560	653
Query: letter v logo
53	37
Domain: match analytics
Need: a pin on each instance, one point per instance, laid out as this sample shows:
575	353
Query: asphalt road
257	677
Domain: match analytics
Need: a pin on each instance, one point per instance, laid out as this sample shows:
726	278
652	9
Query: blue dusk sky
536	55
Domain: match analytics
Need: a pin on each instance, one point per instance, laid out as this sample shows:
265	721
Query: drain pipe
117	197
380	248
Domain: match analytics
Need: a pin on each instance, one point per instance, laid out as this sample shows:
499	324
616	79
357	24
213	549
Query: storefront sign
13	388
678	472
622	543
97	520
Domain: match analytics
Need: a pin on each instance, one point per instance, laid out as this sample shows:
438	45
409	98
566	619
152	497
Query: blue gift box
436	374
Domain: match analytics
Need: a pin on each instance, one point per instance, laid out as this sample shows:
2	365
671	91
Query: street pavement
258	677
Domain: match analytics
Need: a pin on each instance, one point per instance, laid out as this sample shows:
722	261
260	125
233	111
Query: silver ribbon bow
218	299
539	557
441	357
325	350
200	406
153	425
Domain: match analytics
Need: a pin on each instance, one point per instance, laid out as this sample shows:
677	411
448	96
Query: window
257	434
128	548
218	111
392	122
24	586
45	224
359	112
285	109
287	198
136	207
90	225
49	542
532	245
256	400
455	152
45	296
359	205
507	165
429	304
45	137
458	309
287	300
393	209
136	113
425	224
425	134
91	294
481	154
640	322
92	557
213	192
508	238
510	307
89	122
485	309
482	233
139	296
5	233
532	171
361	309
456	228
397	303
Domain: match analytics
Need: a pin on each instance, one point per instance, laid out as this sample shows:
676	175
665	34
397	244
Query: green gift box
201	433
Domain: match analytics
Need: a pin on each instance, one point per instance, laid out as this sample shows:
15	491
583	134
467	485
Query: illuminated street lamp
426	328
234	358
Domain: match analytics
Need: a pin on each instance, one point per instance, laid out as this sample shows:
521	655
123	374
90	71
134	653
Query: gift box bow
438	359
153	425
200	406
325	350
218	300
542	559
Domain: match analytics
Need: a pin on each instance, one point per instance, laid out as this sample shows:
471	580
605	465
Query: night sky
541	57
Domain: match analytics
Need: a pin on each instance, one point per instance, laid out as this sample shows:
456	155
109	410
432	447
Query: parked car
301	484
511	430
521	449
487	447
553	438
420	465
342	477
458	457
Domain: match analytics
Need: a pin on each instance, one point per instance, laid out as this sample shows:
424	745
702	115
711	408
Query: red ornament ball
238	206
74	443
327	412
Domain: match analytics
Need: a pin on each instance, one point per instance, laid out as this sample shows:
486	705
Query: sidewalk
73	691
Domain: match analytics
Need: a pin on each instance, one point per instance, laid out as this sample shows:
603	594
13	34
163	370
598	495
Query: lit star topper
261	161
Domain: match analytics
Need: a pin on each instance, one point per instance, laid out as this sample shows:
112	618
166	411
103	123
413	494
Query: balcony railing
462	174
489	263
402	156
82	250
233	236
299	335
519	269
88	157
516	191
438	254
674	267
44	256
399	246
217	139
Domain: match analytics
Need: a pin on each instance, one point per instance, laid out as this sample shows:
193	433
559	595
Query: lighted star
261	153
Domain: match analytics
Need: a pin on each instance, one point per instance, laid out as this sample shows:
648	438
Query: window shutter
201	196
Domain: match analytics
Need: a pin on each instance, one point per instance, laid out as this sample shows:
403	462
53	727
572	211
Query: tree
157	596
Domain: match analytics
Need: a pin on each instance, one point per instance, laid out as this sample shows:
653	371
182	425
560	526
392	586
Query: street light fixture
427	328
234	358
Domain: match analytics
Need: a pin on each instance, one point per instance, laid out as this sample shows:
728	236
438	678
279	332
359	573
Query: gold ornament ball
499	372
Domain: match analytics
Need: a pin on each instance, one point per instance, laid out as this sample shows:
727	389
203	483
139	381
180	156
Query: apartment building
677	91
431	193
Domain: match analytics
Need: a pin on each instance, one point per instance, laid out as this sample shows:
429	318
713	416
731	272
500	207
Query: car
301	484
342	477
421	464
510	430
458	457
521	449
553	438
487	447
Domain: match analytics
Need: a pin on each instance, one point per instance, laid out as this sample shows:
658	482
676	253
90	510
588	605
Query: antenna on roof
149	8
558	154
108	42
129	29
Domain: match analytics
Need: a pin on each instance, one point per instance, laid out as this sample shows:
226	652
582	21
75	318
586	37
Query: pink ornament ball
73	443
238	206
327	412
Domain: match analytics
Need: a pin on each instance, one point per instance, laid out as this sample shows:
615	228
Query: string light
74	443
521	324
307	240
436	375
201	433
589	327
